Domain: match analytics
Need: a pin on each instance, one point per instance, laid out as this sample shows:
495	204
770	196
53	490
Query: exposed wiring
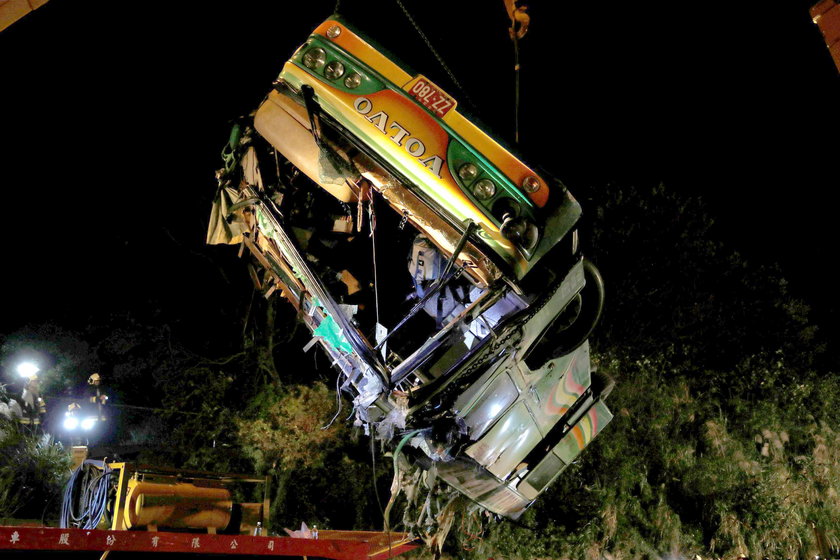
337	401
378	499
373	466
371	220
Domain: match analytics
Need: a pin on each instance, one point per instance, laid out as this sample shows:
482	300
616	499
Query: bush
33	470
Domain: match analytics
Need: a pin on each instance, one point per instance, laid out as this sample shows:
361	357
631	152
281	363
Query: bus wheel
574	324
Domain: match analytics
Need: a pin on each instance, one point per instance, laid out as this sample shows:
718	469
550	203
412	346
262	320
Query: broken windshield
375	246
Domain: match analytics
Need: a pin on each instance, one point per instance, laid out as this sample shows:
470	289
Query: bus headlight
353	80
468	172
334	70
484	189
314	58
522	232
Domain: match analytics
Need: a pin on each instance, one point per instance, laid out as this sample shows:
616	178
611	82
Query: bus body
439	271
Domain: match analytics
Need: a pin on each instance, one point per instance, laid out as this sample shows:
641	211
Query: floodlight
71	423
28	369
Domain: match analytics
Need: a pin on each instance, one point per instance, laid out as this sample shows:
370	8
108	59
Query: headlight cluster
506	209
315	59
483	189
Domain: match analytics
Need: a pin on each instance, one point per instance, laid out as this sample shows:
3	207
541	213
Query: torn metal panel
225	227
507	443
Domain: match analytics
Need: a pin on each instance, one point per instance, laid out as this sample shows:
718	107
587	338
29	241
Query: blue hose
86	495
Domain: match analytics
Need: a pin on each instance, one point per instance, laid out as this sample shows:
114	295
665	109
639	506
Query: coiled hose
86	495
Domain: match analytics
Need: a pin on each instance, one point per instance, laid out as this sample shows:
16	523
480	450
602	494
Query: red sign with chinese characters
345	545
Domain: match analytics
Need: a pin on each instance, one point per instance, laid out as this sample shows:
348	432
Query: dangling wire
375	487
337	401
372	222
434	52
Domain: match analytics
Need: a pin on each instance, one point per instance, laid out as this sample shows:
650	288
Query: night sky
113	115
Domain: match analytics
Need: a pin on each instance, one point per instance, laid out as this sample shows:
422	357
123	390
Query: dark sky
113	115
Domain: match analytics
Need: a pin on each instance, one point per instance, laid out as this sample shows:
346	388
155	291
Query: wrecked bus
440	273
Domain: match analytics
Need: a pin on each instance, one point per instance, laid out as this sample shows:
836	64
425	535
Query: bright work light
27	369
71	423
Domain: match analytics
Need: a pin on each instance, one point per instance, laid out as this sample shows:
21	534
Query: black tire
574	324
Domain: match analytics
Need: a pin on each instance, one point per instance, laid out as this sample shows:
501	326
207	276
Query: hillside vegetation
725	439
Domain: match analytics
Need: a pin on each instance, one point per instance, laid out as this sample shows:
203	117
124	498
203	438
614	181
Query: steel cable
437	55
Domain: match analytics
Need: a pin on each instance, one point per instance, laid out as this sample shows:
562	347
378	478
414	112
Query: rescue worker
34	406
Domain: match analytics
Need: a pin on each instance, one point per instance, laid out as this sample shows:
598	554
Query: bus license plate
431	97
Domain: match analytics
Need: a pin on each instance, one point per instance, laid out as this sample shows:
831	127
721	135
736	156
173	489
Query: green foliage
291	428
33	470
725	435
200	416
676	474
287	432
725	438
